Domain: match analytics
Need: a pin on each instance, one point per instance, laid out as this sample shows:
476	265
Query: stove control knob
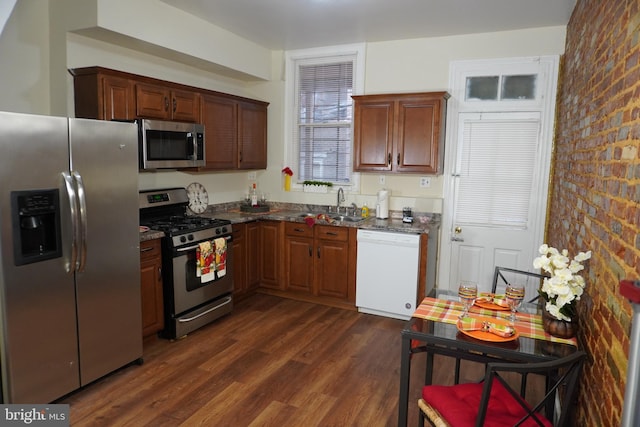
190	237
224	229
183	239
218	231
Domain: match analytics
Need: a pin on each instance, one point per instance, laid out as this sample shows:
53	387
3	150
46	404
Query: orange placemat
447	311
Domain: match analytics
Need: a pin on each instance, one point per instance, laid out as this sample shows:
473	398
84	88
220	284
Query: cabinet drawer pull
146	249
299	230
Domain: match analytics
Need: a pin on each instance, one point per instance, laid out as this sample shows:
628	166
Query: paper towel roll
382	206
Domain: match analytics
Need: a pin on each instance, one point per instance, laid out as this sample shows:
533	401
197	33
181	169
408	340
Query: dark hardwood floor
272	362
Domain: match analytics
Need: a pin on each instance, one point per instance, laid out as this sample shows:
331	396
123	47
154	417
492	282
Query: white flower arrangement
564	286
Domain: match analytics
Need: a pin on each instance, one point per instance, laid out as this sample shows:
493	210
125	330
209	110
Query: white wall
392	66
24	59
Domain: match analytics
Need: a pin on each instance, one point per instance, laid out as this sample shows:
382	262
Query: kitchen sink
333	216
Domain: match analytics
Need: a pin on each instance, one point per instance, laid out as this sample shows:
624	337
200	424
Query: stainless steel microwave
170	145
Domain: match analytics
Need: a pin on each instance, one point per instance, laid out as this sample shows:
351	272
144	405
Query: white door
496	170
494	188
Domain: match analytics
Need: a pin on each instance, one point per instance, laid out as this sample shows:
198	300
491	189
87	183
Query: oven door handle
189	248
226	301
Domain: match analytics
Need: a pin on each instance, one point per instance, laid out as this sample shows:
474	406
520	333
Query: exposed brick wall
595	197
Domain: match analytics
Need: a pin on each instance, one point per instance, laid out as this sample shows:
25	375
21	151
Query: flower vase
558	328
287	183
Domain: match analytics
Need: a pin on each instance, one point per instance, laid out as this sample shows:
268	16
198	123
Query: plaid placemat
447	311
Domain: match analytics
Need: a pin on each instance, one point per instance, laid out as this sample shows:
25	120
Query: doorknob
455	238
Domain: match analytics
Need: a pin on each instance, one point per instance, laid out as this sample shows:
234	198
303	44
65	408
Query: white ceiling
297	24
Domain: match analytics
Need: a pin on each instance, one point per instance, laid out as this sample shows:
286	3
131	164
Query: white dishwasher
387	273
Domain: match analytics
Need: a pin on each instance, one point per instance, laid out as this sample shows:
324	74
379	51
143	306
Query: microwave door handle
82	199
191	143
73	212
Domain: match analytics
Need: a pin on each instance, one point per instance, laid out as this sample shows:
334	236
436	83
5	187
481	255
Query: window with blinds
495	172
323	109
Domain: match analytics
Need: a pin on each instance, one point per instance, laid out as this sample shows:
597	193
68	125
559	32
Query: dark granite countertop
423	222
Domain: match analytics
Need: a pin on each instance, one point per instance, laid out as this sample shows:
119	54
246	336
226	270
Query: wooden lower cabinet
151	287
246	277
319	262
299	258
331	267
270	242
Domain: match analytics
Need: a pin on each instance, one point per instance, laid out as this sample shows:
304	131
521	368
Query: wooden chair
493	403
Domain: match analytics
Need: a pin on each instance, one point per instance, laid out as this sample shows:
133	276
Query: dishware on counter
467	292
514	294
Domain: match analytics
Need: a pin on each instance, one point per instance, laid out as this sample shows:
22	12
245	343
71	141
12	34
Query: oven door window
192	280
168	145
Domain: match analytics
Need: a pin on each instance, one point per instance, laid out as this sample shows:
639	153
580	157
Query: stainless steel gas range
197	261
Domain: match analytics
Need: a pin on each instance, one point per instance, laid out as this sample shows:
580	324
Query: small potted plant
316	186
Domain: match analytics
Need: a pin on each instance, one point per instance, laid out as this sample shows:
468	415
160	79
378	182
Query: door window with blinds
496	166
321	112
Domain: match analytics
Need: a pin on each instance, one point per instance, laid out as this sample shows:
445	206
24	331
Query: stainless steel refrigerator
69	244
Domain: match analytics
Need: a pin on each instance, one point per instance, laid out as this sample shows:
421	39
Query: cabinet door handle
159	274
318	251
389	159
398	159
175	104
310	251
240	154
166	104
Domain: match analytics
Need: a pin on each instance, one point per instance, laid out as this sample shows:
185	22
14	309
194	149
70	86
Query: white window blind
495	173
322	135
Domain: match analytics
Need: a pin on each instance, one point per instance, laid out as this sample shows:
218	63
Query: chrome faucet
340	199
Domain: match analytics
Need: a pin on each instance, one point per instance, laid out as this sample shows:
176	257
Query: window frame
310	57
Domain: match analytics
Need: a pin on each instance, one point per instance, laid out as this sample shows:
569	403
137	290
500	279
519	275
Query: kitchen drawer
340	234
297	229
150	249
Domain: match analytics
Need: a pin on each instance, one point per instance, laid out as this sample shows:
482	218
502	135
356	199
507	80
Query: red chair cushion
459	405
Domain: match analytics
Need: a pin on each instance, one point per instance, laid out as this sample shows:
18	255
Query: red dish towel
205	261
221	256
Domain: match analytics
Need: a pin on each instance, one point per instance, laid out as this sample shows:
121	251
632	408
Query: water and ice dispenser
35	219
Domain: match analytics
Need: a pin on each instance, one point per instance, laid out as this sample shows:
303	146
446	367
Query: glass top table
435	337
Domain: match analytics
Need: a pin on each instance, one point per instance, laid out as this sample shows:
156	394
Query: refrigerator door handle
73	211
82	226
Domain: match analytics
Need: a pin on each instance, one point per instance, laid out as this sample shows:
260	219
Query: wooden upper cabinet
235	127
401	133
235	132
104	97
160	102
220	119
252	135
